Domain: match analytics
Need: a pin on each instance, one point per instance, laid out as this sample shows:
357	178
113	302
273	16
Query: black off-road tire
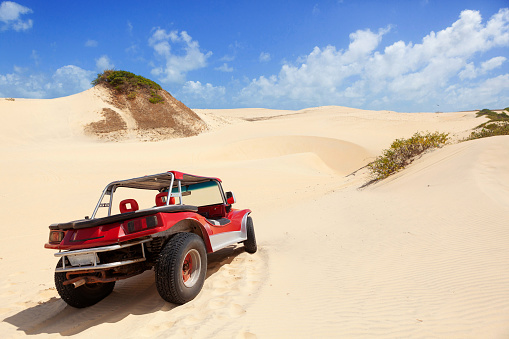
181	268
250	242
83	296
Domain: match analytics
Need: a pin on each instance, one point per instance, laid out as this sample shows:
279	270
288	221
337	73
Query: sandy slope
422	254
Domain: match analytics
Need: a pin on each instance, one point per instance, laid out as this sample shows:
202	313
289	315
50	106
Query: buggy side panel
237	230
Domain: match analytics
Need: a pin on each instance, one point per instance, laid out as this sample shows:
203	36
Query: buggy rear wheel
181	268
84	295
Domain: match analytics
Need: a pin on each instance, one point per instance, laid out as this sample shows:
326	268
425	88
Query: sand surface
422	254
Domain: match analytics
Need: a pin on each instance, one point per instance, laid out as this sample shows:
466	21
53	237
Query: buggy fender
243	225
237	235
190	225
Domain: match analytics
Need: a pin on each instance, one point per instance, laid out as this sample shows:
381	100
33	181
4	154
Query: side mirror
230	198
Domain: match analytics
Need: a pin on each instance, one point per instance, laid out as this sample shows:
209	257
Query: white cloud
319	73
18	69
404	72
66	80
176	65
471	72
17	85
264	57
233	48
103	63
196	94
224	68
493	63
91	43
228	58
207	91
10	15
490	93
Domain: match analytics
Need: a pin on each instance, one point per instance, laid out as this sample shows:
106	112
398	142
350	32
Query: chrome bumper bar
95	265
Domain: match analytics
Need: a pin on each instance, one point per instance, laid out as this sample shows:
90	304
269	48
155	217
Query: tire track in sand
234	279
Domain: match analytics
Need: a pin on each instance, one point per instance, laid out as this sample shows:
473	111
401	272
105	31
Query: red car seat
161	197
133	206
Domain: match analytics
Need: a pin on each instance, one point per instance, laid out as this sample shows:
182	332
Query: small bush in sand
155	98
498	124
128	83
493	116
490	130
403	151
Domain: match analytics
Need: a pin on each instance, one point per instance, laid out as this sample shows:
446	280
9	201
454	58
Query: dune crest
340	156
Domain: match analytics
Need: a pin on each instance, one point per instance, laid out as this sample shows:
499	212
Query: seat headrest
133	206
161	199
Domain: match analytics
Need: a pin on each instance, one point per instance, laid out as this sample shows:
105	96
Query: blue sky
407	56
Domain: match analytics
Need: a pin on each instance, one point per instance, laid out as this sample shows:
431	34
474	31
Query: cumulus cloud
202	95
66	80
207	91
494	91
18	85
177	63
103	63
471	72
10	16
319	73
364	74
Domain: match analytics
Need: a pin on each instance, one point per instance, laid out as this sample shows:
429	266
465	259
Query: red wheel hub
187	267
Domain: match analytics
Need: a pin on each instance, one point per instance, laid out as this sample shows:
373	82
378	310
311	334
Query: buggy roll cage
171	180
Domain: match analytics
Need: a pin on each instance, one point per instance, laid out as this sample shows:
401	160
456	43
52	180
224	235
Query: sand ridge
422	254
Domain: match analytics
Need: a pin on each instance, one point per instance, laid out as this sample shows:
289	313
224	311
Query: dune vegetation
403	151
498	124
129	84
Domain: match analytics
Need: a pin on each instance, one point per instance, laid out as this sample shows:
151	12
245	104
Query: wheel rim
191	268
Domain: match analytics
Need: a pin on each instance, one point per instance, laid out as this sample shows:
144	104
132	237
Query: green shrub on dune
403	151
498	124
129	83
490	130
493	116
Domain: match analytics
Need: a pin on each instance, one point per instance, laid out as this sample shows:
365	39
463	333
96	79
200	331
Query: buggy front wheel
250	243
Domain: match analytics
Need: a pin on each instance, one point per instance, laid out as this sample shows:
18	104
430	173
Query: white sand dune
33	121
421	254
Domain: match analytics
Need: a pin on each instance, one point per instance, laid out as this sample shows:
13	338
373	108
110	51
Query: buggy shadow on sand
136	296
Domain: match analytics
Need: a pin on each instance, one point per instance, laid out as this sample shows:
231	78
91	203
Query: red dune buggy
167	221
